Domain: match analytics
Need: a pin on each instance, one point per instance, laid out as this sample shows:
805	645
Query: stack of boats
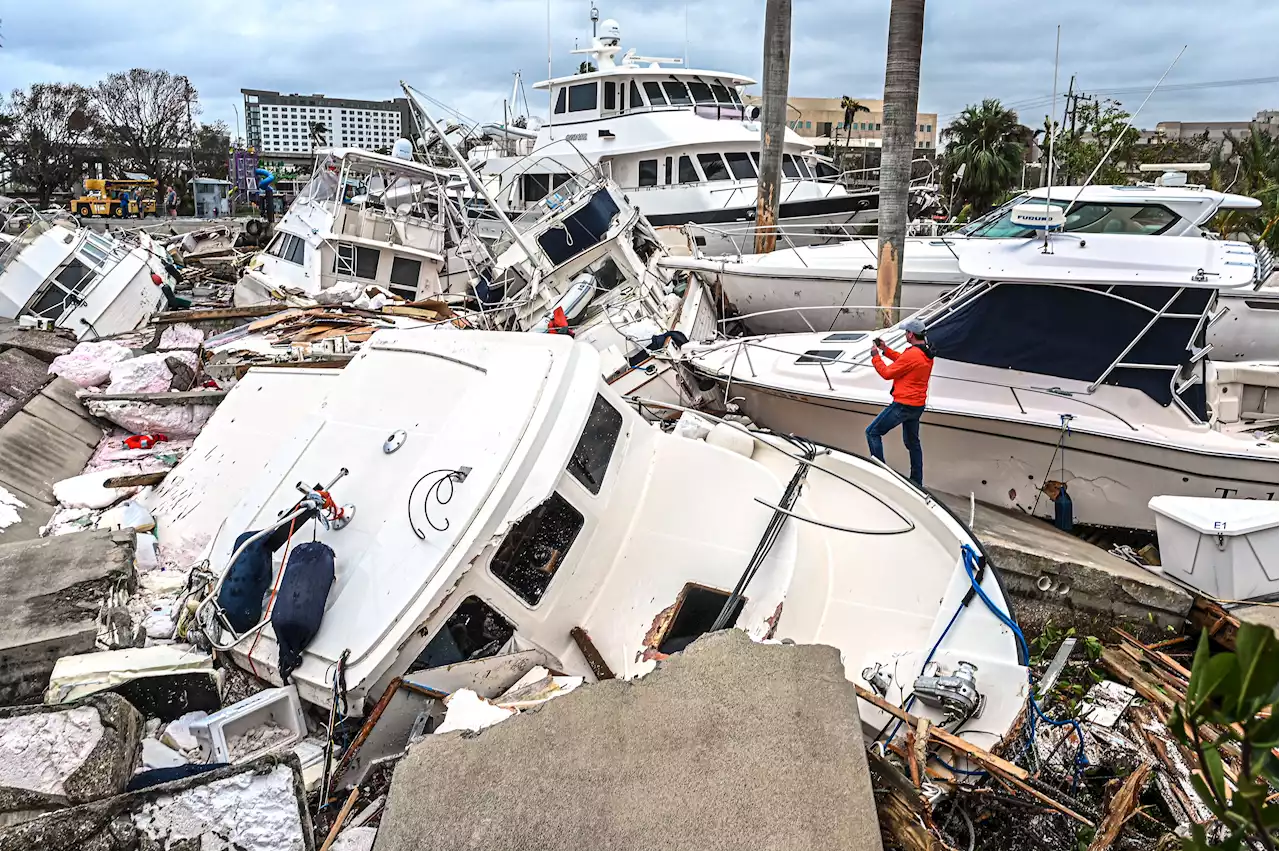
584	463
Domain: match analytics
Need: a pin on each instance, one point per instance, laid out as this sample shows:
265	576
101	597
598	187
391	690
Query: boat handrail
754	434
746	344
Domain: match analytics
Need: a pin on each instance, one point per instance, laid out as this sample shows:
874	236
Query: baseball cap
914	326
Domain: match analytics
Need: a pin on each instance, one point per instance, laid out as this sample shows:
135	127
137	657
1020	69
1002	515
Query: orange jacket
909	372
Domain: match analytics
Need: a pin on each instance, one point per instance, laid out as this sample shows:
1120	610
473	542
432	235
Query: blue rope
1081	761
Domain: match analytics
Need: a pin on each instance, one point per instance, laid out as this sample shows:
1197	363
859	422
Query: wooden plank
1125	669
595	661
1221	624
171	316
984	758
186	397
141	480
1122	805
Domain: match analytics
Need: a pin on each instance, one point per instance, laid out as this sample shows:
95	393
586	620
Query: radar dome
402	150
609	32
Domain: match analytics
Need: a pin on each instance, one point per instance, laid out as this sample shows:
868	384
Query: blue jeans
907	416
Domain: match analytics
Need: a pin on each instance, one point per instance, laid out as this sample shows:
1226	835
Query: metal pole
773	118
536	257
1070	105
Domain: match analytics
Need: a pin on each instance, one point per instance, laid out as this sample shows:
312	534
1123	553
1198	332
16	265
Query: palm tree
773	119
851	109
1246	166
319	133
991	145
901	93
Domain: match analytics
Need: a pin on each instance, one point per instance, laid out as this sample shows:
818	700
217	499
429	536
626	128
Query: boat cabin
365	218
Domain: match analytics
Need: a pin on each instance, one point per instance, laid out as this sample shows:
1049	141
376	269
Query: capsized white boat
60	274
514	498
833	287
1082	365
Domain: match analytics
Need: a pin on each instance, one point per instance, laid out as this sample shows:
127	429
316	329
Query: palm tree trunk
901	91
773	120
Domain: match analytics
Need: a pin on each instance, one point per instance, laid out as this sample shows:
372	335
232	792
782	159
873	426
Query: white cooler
1225	548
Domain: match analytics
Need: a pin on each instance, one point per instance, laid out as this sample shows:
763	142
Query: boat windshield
1140	219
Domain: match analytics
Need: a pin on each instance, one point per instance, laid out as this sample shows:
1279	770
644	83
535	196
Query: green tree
1079	147
1246	166
989	142
48	126
212	146
851	109
318	132
1234	695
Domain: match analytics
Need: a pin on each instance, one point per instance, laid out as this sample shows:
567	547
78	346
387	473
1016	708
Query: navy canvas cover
583	229
1076	333
300	600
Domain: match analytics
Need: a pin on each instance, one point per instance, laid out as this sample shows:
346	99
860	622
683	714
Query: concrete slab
32	515
64	393
1058	577
22	375
258	806
43	345
53	757
50	592
78	425
728	745
1262	615
35	454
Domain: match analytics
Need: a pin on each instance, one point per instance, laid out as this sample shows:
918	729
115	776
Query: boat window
1140	219
474	631
535	187
820	356
535	548
75	276
755	160
666	171
583	97
688	174
295	249
722	94
648	172
95	249
701	92
277	244
610	95
789	167
733	93
404	277
677	94
822	169
357	261
560	102
713	167
654	92
844	337
740	165
590	459
804	168
634	98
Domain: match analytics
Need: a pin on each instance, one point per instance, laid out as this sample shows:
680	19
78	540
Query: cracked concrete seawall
727	745
59	756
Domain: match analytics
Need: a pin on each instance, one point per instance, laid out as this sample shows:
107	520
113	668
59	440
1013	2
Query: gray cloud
463	53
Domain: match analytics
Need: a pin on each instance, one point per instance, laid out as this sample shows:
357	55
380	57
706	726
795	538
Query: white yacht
680	142
1079	362
519	504
55	273
833	287
365	218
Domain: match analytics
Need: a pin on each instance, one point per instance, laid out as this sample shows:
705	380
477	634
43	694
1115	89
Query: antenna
1127	125
550	88
686	33
595	19
1053	106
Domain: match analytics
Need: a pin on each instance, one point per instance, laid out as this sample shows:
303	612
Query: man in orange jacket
909	371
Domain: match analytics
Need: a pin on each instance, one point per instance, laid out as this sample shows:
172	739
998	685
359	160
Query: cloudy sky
463	52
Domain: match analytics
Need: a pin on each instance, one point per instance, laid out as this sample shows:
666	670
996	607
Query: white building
281	125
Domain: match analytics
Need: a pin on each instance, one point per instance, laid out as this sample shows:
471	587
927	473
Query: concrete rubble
259	806
718	744
53	757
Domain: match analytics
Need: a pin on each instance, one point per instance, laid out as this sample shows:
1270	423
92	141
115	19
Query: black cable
439	492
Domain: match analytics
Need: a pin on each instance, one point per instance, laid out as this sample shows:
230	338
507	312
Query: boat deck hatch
696	609
474	631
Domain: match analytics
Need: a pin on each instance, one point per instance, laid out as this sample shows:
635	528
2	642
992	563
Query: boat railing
557	200
744	346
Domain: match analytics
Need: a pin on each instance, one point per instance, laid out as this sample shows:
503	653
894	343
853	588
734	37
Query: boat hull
1017	465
